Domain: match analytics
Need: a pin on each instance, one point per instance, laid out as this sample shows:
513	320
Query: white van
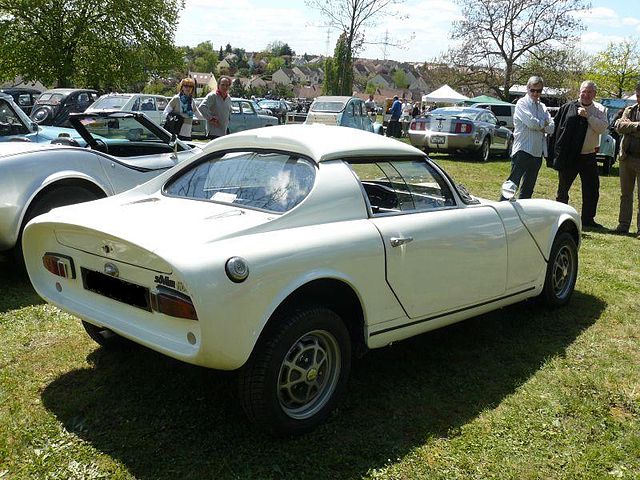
503	112
151	105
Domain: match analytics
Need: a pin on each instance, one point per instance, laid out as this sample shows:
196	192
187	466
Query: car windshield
111	102
118	129
275	182
269	104
329	107
454	112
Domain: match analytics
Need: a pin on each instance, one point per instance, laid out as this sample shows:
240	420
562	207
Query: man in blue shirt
393	128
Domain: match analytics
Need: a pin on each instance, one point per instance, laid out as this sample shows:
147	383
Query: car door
440	255
348	118
499	134
251	119
237	122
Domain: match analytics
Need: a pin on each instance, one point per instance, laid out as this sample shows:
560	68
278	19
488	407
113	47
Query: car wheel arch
332	293
50	186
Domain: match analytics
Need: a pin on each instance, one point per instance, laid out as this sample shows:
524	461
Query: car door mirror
509	190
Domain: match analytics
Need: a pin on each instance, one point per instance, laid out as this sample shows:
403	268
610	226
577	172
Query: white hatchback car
279	252
151	105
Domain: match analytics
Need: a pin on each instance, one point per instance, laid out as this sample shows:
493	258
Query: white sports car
281	251
107	153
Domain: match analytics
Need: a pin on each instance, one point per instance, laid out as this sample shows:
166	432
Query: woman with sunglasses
184	105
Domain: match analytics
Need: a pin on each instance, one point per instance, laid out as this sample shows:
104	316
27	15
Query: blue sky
253	24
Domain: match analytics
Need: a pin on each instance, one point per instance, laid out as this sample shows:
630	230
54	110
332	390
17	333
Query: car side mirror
173	143
509	190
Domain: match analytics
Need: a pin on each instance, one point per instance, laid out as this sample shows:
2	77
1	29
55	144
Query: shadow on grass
163	419
15	286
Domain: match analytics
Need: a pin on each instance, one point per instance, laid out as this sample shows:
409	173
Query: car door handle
397	241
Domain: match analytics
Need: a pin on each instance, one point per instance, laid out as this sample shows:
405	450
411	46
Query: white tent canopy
444	94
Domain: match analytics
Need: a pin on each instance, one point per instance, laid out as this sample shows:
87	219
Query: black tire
42	115
297	372
105	337
483	152
562	271
58	197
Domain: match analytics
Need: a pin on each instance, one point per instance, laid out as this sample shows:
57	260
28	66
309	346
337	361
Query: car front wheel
562	271
297	372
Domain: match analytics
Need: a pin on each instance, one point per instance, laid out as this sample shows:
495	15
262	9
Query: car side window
161	104
397	186
235	107
490	118
247	108
24	100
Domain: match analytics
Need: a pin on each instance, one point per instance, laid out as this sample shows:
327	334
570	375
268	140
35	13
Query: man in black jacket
573	150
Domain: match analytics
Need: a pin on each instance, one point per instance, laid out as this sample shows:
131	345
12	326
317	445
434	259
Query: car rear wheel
483	152
297	372
562	271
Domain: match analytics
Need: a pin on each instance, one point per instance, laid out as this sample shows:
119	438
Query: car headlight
237	269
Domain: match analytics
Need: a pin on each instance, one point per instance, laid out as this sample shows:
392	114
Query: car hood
156	224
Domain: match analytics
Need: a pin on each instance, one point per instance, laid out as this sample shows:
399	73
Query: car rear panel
443	133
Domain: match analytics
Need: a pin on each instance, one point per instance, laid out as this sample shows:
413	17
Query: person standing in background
393	128
629	126
216	109
184	105
576	137
531	122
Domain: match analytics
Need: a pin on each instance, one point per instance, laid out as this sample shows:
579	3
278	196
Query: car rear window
470	114
274	181
329	107
50	98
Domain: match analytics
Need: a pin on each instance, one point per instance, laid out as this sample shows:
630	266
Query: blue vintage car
15	125
610	140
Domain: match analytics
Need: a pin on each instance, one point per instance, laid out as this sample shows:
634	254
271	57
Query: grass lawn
521	393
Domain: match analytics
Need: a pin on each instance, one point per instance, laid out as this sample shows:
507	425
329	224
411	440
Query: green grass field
521	393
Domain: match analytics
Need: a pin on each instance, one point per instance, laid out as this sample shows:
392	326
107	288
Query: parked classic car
54	106
15	125
151	105
24	97
343	111
453	129
280	252
123	150
278	108
244	116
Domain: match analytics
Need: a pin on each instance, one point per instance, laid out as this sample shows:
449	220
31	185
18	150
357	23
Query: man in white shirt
531	122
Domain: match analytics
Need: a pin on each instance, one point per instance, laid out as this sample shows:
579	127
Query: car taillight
60	265
174	305
462	127
418	125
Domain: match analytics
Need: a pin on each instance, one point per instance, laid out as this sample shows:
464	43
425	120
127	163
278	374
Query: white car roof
318	142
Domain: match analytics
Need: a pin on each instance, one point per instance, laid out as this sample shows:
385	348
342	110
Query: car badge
111	270
106	248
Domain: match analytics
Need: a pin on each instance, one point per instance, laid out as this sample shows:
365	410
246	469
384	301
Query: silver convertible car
112	153
453	129
280	252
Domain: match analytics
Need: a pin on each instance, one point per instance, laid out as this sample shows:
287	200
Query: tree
400	79
205	58
497	36
616	70
275	64
352	18
338	71
113	43
278	49
237	89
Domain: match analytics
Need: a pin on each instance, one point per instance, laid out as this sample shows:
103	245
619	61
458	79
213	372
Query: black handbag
173	123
